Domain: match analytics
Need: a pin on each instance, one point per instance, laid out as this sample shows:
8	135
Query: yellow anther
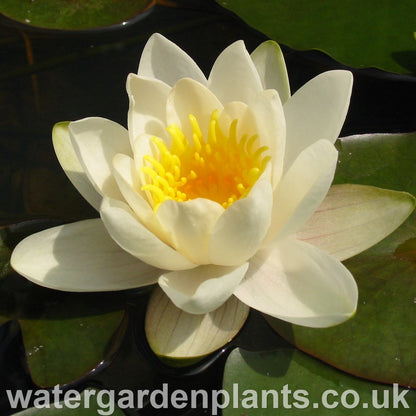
212	133
250	143
149	171
155	190
243	142
195	126
233	132
264	162
157	165
170	178
241	188
254	173
179	140
219	167
259	151
197	142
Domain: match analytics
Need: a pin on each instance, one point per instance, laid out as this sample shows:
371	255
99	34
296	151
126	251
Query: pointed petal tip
271	66
71	165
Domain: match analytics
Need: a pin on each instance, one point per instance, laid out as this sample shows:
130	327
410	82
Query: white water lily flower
207	190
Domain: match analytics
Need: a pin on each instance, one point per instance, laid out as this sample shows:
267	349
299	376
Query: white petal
80	257
136	239
271	123
298	283
316	111
270	63
203	289
162	59
353	218
190	225
241	229
96	141
70	163
129	184
233	76
190	97
147	110
171	332
302	189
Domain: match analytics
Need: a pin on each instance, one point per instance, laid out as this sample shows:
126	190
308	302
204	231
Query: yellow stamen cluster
220	168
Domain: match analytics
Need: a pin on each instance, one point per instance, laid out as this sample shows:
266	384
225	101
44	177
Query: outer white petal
129	184
190	224
191	97
80	257
240	230
270	63
136	239
302	189
203	289
96	141
316	111
162	59
233	76
299	283
147	110
171	332
70	163
353	218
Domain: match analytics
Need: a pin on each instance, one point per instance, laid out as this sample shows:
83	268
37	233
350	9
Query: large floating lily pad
66	335
357	33
300	385
70	337
70	14
378	342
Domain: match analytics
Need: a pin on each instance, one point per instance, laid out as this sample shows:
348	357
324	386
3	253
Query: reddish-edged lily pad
378	342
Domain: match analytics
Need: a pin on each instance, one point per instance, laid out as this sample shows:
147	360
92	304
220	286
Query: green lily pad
378	342
69	14
72	335
383	160
371	33
90	402
300	385
66	335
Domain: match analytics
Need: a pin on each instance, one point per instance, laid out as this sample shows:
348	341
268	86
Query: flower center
220	168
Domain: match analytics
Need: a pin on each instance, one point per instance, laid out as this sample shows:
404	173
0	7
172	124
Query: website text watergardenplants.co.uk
164	398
